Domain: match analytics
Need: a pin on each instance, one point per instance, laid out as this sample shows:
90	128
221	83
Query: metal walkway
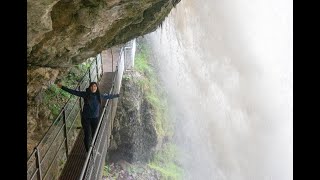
77	156
61	154
76	160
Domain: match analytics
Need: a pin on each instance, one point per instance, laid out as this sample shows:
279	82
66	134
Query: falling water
227	67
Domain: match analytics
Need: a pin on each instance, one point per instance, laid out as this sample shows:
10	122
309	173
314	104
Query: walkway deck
61	151
77	156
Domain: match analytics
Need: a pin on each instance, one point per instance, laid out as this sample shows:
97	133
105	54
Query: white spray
227	66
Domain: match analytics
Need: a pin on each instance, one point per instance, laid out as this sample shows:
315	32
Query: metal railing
57	142
49	156
129	54
95	159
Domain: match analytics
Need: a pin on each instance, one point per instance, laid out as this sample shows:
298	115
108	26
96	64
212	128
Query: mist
227	68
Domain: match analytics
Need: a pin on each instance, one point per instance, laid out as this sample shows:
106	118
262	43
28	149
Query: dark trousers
89	127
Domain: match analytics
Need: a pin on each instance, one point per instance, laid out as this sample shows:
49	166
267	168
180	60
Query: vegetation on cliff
163	163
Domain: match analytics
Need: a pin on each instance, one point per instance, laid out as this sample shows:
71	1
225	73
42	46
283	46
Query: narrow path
77	156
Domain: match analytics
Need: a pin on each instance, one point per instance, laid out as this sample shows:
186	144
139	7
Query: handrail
96	133
44	156
93	152
66	116
45	174
35	161
61	110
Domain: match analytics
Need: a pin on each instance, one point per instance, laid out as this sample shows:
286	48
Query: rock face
38	121
134	133
62	33
65	32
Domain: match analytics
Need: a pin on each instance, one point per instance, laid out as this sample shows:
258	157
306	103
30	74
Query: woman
91	108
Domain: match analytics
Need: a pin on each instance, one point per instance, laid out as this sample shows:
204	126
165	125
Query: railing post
89	74
101	65
111	60
97	69
80	102
65	132
124	58
38	163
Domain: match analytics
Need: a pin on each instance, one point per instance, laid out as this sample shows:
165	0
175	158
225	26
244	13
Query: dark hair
97	93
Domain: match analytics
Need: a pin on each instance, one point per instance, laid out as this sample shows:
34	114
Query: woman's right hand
59	84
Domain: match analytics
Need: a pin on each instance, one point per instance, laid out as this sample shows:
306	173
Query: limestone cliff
63	33
134	134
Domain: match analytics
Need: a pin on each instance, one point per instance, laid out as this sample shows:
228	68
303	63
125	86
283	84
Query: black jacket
92	101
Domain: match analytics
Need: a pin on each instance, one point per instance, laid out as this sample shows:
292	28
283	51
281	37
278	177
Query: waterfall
227	68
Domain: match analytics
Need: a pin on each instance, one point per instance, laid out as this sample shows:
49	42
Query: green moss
164	159
153	91
164	162
55	98
126	77
106	170
141	63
